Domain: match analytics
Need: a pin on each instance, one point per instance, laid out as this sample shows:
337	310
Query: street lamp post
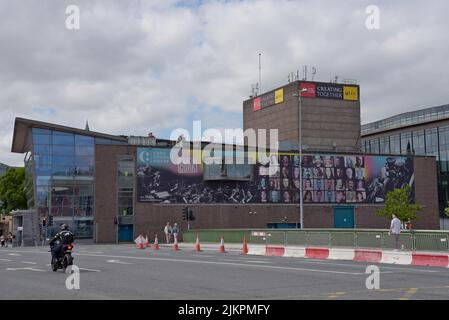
301	207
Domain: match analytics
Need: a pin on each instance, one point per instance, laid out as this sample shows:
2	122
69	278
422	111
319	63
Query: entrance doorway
125	233
344	217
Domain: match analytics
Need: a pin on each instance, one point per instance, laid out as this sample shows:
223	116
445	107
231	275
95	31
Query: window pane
84	140
41	139
63	139
395	147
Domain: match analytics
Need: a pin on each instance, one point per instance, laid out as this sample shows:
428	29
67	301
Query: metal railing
425	240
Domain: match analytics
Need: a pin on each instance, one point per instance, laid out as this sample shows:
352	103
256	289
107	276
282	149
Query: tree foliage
398	203
446	210
12	190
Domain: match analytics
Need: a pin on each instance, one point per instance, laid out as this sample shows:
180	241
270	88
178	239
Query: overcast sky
140	66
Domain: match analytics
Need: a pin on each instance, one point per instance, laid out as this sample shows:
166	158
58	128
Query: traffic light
50	221
185	213
44	222
191	217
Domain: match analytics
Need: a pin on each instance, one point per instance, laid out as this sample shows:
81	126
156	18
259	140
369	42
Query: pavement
125	272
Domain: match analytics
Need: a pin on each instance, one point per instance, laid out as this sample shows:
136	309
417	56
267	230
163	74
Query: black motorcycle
65	259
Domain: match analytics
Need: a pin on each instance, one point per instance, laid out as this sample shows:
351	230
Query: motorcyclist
64	237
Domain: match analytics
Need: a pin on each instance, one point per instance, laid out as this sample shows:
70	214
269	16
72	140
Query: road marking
336	295
5	260
118	261
14	254
381	265
255	261
410	292
94	270
93	252
28	262
27	268
229	263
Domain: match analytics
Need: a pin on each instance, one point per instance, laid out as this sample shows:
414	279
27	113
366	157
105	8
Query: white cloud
140	66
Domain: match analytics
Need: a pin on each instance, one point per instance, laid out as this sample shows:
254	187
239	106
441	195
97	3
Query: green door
125	233
344	217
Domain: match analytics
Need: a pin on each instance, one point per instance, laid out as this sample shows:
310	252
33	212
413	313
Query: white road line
27	268
94	270
14	254
381	265
5	260
118	261
28	262
93	252
232	264
255	261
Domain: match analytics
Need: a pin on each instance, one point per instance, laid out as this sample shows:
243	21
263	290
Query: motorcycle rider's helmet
64	226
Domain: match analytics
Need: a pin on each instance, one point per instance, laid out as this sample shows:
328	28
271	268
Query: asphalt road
125	272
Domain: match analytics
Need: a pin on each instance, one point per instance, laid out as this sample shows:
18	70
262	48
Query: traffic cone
175	245
197	245
147	243
245	246
222	248
156	243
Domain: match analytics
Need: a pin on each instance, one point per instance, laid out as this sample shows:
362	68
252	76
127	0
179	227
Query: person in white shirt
167	231
395	230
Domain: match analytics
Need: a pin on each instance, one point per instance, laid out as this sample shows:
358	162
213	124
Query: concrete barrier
274	251
431	260
317	253
394	257
364	255
256	250
341	254
295	252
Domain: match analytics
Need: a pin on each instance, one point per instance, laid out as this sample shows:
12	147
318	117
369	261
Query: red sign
256	104
311	89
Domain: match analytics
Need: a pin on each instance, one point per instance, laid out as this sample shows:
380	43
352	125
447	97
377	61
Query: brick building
111	188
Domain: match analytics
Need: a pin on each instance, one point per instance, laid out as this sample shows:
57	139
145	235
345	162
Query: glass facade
407	119
64	180
433	141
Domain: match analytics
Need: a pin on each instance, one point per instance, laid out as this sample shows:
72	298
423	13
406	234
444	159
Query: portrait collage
325	179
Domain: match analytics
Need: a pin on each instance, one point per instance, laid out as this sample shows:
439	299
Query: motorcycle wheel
67	262
54	266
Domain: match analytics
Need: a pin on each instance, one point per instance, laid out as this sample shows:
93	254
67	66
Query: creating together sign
319	90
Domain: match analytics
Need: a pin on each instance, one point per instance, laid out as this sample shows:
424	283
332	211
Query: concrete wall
325	121
151	218
106	157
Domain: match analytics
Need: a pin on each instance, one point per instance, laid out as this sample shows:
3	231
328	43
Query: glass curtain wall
64	179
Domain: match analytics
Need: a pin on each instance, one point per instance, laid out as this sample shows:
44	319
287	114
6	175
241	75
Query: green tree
12	190
446	210
398	203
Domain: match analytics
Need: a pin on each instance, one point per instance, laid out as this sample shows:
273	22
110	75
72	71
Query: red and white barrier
361	255
341	254
429	259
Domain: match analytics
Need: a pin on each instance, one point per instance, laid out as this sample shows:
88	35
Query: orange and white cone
197	245
222	247
245	246
175	245
156	243
147	243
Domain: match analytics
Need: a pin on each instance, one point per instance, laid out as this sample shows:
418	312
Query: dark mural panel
325	179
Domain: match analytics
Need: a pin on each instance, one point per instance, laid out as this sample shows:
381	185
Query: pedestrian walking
175	231
2	240
395	231
167	231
